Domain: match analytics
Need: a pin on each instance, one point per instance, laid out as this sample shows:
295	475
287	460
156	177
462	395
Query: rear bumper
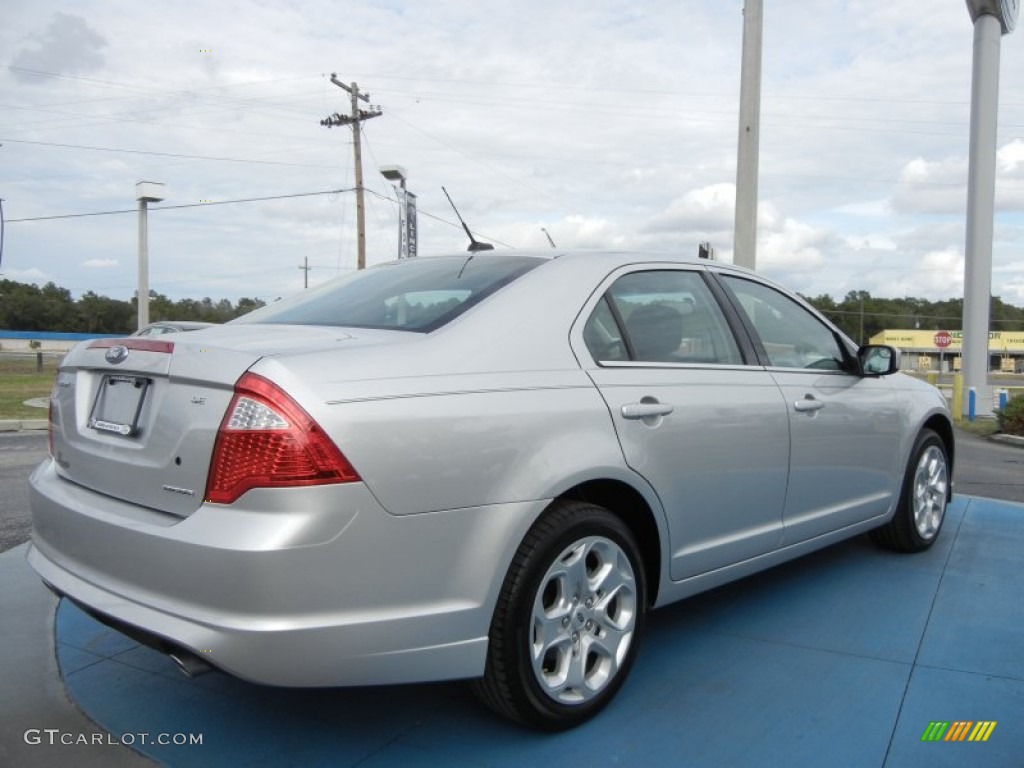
297	587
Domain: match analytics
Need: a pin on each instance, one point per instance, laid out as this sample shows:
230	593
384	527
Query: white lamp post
396	174
992	19
748	146
145	192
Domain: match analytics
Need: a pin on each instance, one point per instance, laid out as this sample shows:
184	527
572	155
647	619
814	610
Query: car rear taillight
49	426
267	440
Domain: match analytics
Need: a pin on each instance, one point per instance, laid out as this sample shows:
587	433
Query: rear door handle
645	410
808	405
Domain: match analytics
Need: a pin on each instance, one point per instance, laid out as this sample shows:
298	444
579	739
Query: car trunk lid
136	418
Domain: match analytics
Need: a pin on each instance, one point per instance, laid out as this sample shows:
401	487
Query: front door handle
808	405
645	410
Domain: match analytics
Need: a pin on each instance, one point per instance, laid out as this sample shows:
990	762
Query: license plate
118	404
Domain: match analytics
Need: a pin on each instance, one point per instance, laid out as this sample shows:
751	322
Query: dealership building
922	352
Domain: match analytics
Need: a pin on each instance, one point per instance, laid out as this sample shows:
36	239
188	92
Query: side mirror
878	360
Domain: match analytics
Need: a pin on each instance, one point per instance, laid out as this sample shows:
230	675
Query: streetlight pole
396	173
748	148
145	192
992	19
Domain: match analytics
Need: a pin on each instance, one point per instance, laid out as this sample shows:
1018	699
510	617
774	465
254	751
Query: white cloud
67	45
935	274
870	242
932	187
100	263
699	210
792	245
1010	159
866	208
579	231
32	275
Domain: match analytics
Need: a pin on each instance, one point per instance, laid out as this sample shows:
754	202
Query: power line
702	95
162	154
184	205
421	212
243	200
146	91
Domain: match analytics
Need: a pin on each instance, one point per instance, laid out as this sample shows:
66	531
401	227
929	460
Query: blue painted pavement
840	658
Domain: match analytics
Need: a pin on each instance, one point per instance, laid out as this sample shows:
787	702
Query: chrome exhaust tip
189	664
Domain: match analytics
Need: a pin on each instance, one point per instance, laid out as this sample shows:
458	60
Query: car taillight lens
49	427
266	440
51	415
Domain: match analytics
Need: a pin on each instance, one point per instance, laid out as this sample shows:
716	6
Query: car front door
844	427
708	431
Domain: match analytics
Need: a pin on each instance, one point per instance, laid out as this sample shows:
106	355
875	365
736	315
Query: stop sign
943	339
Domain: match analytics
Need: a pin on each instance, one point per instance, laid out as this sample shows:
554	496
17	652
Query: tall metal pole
981	180
145	192
745	226
143	288
397	173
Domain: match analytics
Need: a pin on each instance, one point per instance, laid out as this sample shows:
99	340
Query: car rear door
845	428
708	431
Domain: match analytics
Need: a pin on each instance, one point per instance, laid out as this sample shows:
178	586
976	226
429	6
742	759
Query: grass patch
19	381
980	427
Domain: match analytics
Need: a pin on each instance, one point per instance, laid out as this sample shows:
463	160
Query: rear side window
665	317
414	295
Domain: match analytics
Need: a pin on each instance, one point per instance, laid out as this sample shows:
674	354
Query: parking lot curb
1008	440
17	425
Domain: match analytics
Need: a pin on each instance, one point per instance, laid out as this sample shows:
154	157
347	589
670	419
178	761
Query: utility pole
357	116
305	270
745	226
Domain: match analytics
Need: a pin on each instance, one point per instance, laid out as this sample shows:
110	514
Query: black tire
593	614
922	505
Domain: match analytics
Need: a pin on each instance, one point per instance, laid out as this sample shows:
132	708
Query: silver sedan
484	466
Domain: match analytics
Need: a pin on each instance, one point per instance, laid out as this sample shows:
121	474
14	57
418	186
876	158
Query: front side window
660	316
792	337
413	295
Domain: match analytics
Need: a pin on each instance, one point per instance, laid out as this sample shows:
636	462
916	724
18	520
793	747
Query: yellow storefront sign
998	341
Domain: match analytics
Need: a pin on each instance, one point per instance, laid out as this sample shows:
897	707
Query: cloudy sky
610	124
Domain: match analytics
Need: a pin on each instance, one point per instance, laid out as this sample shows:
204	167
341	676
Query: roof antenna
474	244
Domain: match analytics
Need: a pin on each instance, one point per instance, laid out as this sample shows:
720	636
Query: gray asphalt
20	452
33	698
989	469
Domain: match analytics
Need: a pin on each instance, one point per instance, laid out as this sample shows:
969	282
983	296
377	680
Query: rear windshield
415	295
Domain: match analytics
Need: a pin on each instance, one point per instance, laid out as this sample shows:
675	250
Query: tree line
27	307
860	315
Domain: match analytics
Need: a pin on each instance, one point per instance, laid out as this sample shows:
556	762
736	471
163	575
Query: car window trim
760	353
733	318
617	317
689	366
